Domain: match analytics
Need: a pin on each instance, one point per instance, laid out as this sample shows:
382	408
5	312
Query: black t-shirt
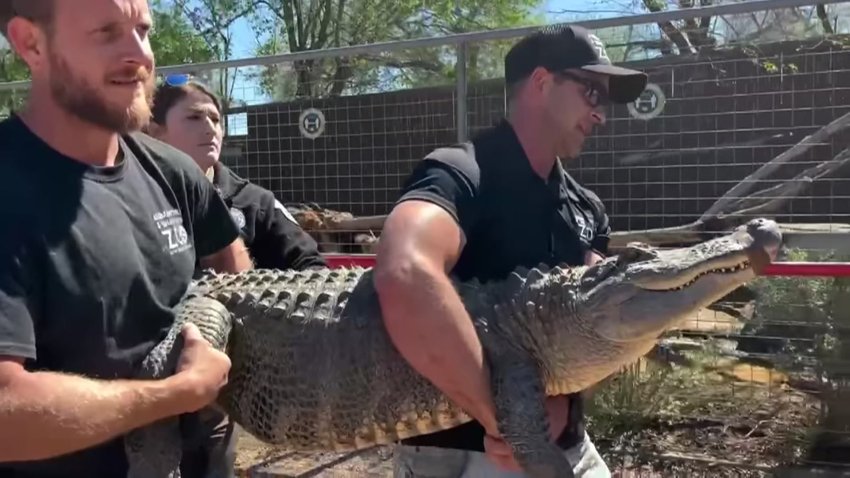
92	259
511	217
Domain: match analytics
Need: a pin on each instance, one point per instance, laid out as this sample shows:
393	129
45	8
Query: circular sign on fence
311	123
649	104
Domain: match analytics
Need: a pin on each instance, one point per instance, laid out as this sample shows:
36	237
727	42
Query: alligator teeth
720	270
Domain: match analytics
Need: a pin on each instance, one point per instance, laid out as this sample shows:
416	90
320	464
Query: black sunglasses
595	93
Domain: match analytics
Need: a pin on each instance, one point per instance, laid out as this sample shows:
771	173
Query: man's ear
539	78
28	40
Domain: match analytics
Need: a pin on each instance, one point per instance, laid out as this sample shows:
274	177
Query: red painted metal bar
787	269
349	260
808	269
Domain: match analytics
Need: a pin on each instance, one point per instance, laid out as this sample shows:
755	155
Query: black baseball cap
562	47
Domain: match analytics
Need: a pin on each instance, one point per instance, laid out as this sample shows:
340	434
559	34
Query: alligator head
643	291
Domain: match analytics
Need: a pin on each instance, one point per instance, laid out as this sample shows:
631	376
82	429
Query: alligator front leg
155	450
519	398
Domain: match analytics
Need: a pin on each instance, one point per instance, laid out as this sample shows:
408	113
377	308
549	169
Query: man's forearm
433	332
591	257
46	414
233	258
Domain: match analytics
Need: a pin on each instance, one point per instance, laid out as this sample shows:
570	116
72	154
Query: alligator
313	368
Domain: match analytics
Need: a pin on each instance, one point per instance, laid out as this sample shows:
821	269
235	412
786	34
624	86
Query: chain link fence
747	114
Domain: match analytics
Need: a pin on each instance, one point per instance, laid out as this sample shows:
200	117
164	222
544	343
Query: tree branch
743	188
327	13
402	64
770	201
824	19
302	44
670	30
786	191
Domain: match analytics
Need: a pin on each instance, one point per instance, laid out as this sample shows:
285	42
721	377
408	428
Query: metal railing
461	40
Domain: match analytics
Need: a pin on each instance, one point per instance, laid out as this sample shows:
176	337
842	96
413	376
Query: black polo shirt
511	217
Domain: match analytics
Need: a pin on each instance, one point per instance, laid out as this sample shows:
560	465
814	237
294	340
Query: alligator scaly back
313	367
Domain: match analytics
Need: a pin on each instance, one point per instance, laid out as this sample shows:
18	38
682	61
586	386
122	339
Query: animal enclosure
747	114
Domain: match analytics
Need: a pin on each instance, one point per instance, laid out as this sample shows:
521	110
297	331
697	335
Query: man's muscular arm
46	414
424	316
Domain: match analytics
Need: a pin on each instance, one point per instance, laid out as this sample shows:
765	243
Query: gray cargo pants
433	462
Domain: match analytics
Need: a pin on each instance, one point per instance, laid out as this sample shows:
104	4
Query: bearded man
103	230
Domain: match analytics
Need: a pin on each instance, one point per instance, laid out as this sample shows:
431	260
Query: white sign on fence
311	123
649	104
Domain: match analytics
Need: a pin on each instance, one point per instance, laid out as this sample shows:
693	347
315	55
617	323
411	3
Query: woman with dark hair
187	115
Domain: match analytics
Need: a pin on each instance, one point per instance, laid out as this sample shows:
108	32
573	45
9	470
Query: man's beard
79	98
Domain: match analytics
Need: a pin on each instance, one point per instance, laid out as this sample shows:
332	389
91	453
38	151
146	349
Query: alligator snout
767	239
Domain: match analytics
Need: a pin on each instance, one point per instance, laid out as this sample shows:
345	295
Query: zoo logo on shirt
585	230
170	225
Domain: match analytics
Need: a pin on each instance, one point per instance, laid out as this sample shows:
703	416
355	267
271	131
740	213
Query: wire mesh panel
747	120
334	138
344	152
713	117
746	114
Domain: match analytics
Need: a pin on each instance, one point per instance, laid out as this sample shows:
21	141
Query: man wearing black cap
481	209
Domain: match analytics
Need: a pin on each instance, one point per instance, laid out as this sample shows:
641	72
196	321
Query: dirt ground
257	459
768	430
